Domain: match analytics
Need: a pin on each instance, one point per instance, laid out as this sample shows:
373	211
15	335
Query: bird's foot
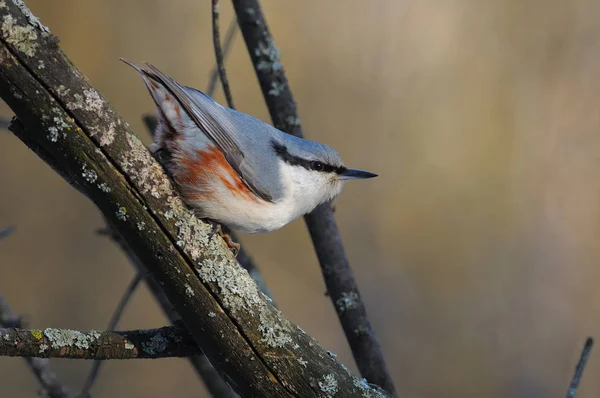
217	228
234	246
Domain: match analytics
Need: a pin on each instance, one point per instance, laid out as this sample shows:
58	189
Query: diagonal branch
248	340
339	279
164	342
216	386
585	354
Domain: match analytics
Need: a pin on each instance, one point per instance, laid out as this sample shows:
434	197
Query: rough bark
249	341
165	342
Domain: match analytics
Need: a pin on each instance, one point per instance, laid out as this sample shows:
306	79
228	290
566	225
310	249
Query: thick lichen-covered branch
215	384
339	279
165	342
245	337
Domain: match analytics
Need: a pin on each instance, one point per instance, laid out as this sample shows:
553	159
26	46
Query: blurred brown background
476	248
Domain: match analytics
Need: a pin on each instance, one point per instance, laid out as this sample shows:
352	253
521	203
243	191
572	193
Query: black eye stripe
287	157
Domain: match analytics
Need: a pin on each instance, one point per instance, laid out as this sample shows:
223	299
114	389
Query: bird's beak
352	174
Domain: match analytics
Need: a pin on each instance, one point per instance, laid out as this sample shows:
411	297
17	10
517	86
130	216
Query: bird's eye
318	166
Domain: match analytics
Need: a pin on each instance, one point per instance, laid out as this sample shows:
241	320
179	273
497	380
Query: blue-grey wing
214	120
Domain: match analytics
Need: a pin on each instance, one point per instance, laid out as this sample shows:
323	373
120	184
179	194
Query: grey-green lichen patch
269	56
32	19
41	64
329	385
129	346
88	174
90	101
276	88
104	187
52	134
108	137
157	344
366	390
146	173
292	120
6	337
64	338
236	286
302	362
141	225
22	37
212	314
43	347
189	291
62	90
59	128
2	4
273	333
348	301
121	213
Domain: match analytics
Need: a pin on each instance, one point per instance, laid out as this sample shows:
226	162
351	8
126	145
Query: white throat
306	189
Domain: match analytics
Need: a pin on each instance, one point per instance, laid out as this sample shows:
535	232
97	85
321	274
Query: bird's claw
216	228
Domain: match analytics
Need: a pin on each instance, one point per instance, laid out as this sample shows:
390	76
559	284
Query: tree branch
214	74
247	340
215	384
585	354
51	386
165	342
339	279
219	53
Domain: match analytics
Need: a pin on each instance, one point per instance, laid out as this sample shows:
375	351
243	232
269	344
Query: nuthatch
235	169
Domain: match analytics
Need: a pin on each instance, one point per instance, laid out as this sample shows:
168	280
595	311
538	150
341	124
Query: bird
234	169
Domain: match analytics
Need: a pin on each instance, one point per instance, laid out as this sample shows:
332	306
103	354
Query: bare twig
214	73
339	279
4	232
51	386
585	354
112	325
219	53
165	342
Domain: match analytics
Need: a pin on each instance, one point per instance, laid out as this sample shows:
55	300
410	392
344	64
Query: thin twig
112	325
214	73
165	342
585	354
219	54
51	386
339	279
4	232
